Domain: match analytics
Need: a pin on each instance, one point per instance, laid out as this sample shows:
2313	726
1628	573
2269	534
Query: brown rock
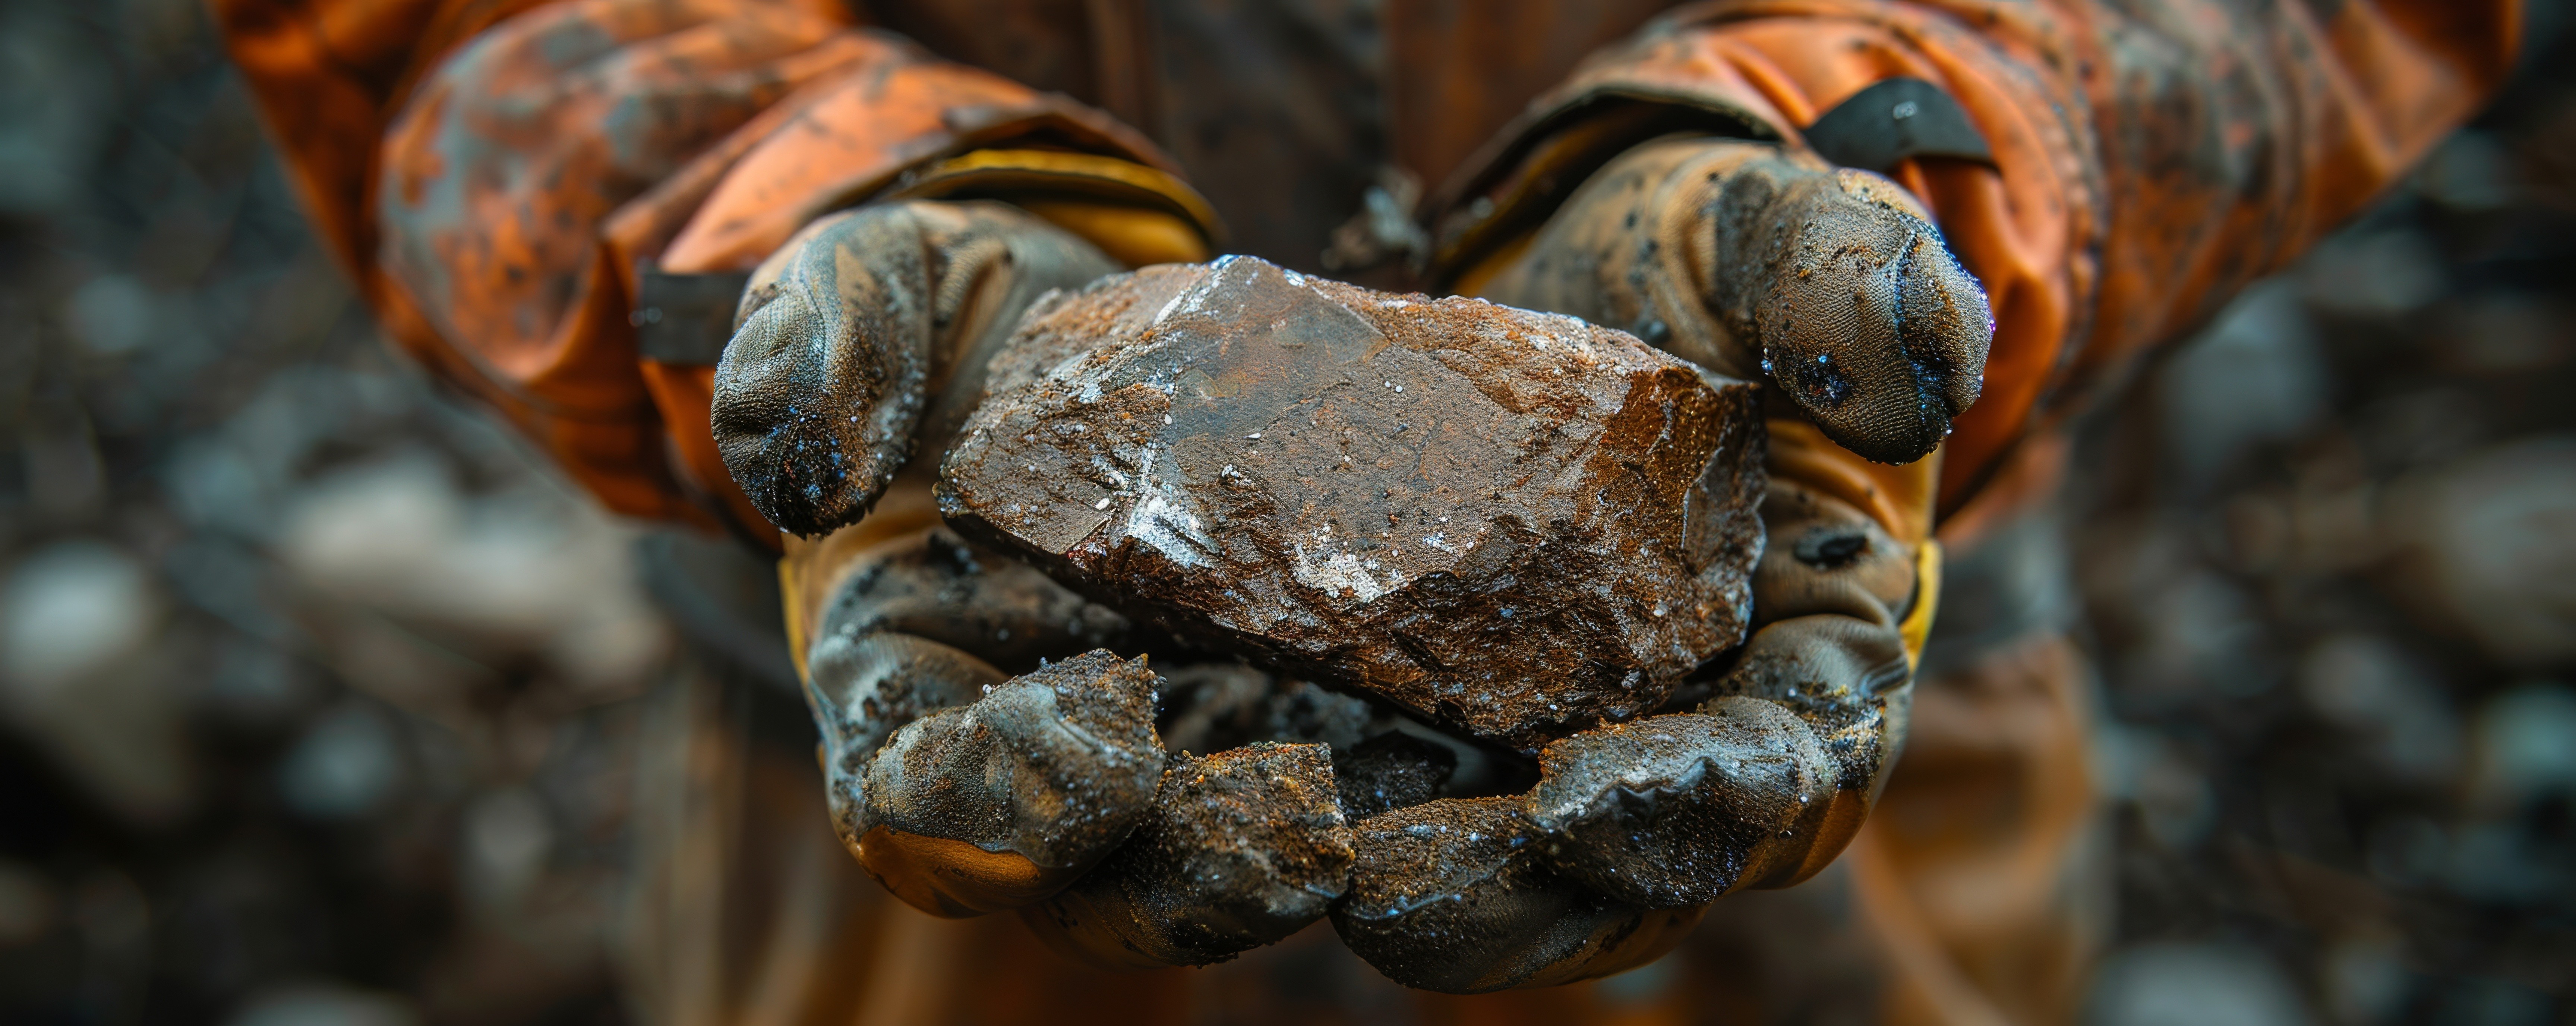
1512	523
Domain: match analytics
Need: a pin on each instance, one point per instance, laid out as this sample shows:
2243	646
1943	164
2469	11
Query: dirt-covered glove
960	786
1388	552
1764	262
1760	260
1509	527
864	340
1757	261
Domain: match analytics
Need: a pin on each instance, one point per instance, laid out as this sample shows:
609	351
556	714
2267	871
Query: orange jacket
2148	160
496	172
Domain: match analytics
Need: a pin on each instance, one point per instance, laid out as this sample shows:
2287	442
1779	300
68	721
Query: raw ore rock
1512	523
1241	849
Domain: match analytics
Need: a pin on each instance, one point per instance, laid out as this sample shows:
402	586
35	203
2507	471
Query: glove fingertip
1876	331
818	393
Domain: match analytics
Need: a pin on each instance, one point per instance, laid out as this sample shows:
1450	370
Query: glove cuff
1137	214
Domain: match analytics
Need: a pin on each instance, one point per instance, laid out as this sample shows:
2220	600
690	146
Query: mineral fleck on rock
1512	523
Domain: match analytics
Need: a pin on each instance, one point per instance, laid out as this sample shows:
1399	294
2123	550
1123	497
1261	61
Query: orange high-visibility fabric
2148	162
494	172
507	161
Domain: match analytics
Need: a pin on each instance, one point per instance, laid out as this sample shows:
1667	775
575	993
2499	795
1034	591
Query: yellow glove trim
1134	236
1917	627
1036	178
1898	497
788	590
1471	282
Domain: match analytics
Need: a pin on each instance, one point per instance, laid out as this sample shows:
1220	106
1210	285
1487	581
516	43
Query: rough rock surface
1241	849
1454	895
1512	523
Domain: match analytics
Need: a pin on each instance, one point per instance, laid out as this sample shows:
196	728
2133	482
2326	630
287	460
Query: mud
1455	896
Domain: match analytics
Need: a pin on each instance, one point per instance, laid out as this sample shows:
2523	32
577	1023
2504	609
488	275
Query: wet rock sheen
1515	524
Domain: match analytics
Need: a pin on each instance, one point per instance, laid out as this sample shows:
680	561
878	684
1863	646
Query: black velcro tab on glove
685	319
1893	120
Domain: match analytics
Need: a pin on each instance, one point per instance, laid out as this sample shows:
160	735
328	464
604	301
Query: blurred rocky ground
318	694
314	687
2327	557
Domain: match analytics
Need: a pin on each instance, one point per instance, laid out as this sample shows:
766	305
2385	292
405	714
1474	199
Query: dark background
317	691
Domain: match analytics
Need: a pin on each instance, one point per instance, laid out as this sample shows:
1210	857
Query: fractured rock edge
1511	524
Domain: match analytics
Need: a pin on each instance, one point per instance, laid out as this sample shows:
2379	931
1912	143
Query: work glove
1756	260
971	773
1761	261
962	771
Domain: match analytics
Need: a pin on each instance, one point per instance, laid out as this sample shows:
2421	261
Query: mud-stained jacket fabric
2147	160
496	171
500	199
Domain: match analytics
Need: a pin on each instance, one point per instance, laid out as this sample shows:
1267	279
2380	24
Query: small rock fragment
1242	848
1513	524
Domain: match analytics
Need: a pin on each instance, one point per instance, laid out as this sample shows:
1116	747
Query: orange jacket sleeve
498	175
2148	159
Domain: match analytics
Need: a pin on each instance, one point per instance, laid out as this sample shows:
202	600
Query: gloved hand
966	771
865	339
960	786
1762	262
966	790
